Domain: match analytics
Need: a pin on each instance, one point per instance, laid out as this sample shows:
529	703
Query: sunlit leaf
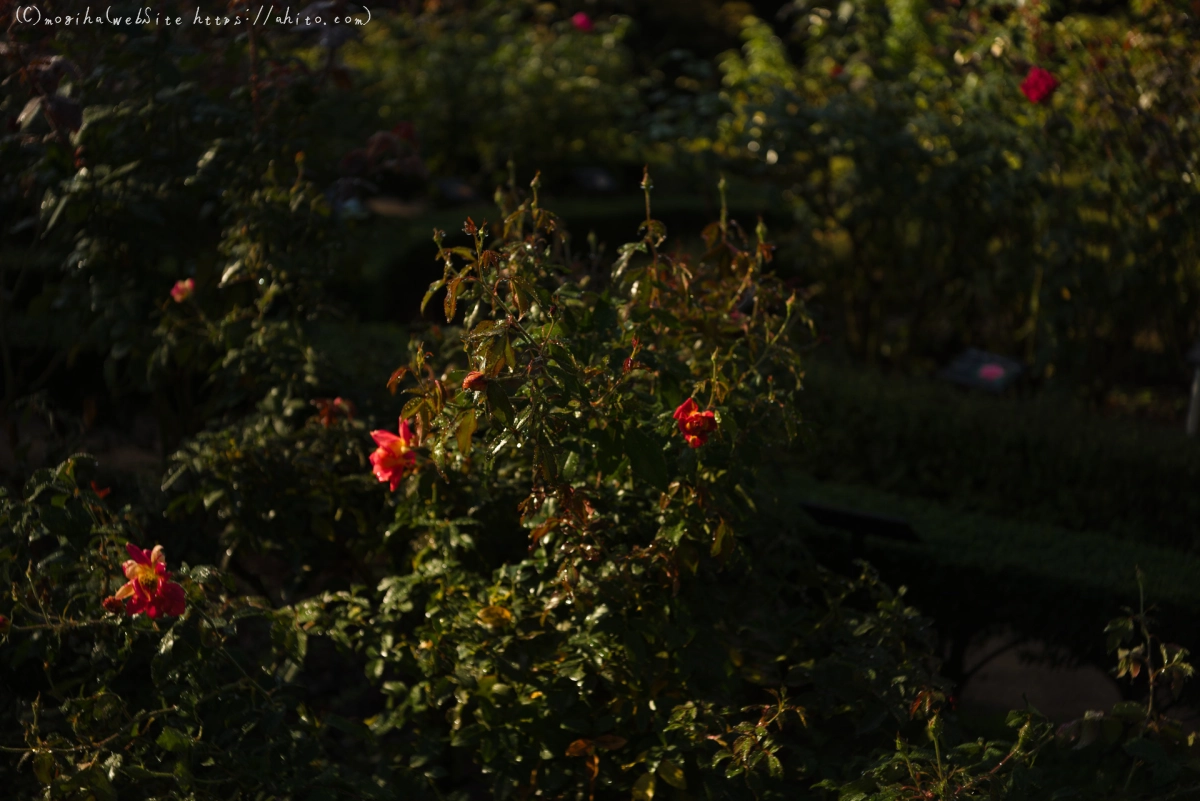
495	616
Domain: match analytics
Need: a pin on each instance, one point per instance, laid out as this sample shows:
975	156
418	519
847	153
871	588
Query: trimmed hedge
1045	582
1038	460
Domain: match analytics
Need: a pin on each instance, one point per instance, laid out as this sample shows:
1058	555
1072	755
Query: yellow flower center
144	575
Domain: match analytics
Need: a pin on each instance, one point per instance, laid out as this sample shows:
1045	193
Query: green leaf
466	427
722	541
175	476
545	457
486	328
411	408
44	767
643	788
433	288
99	783
1118	631
501	406
510	356
655	230
173	740
646	457
609	448
672	774
58	210
1162	767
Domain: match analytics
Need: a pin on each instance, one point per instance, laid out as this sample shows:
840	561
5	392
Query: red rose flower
183	290
395	457
1038	85
149	588
694	424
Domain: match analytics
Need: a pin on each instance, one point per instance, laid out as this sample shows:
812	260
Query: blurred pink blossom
183	290
582	22
991	372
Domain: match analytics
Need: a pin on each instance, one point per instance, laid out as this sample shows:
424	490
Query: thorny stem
647	185
1151	673
937	753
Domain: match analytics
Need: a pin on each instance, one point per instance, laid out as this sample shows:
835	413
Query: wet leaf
466	428
501	406
396	377
451	303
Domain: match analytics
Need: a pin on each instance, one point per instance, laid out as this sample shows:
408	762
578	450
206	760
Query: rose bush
569	571
184	690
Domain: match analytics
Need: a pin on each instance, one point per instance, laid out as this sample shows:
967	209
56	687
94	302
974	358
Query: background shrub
939	207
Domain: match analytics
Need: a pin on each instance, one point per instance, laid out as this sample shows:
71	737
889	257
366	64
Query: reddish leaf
579	748
610	742
396	378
